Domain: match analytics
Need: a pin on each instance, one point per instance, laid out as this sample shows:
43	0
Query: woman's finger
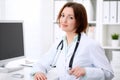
40	76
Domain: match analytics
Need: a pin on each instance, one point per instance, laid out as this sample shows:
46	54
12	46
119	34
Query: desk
9	76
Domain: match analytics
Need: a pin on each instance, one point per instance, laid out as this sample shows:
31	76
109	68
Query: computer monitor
11	41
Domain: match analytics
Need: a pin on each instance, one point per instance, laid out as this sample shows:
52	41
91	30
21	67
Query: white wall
2	9
38	29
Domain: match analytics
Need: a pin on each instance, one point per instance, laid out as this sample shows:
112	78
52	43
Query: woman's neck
70	37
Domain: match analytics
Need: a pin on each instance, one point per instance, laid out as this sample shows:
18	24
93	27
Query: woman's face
67	20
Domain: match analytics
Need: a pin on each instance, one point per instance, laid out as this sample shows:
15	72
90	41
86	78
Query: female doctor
75	57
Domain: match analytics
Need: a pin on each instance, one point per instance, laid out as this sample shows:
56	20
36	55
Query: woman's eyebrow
68	14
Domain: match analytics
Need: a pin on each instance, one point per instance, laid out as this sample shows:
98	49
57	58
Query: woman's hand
40	76
77	72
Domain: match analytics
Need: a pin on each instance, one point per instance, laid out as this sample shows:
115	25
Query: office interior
40	30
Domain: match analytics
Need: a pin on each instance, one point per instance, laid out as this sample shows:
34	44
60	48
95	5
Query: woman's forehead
68	10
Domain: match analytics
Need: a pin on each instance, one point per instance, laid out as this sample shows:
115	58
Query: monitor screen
11	40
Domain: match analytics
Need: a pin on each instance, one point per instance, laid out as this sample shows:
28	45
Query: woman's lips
64	25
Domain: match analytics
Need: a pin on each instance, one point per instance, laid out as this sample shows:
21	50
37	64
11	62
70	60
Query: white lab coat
89	55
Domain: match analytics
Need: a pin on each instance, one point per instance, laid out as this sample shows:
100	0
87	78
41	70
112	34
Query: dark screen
11	40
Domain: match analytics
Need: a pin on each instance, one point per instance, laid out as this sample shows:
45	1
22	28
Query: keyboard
12	69
27	65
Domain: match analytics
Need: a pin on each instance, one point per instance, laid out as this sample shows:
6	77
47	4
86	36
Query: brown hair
80	16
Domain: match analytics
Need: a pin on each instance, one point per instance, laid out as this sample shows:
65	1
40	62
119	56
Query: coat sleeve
43	65
101	69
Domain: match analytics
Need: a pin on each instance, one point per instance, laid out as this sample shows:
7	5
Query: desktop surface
23	74
12	69
6	76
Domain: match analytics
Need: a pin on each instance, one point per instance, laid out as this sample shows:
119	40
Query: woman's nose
65	19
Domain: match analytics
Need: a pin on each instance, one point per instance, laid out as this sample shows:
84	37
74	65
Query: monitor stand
2	65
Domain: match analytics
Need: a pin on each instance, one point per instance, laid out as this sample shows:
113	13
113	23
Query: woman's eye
71	17
62	15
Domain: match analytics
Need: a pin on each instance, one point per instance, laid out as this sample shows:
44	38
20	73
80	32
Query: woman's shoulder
88	41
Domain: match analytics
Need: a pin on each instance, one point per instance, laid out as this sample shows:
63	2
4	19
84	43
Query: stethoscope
57	55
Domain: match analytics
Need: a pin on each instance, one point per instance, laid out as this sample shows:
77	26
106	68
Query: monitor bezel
4	62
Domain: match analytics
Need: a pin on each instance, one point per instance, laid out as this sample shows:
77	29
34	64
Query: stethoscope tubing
58	51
